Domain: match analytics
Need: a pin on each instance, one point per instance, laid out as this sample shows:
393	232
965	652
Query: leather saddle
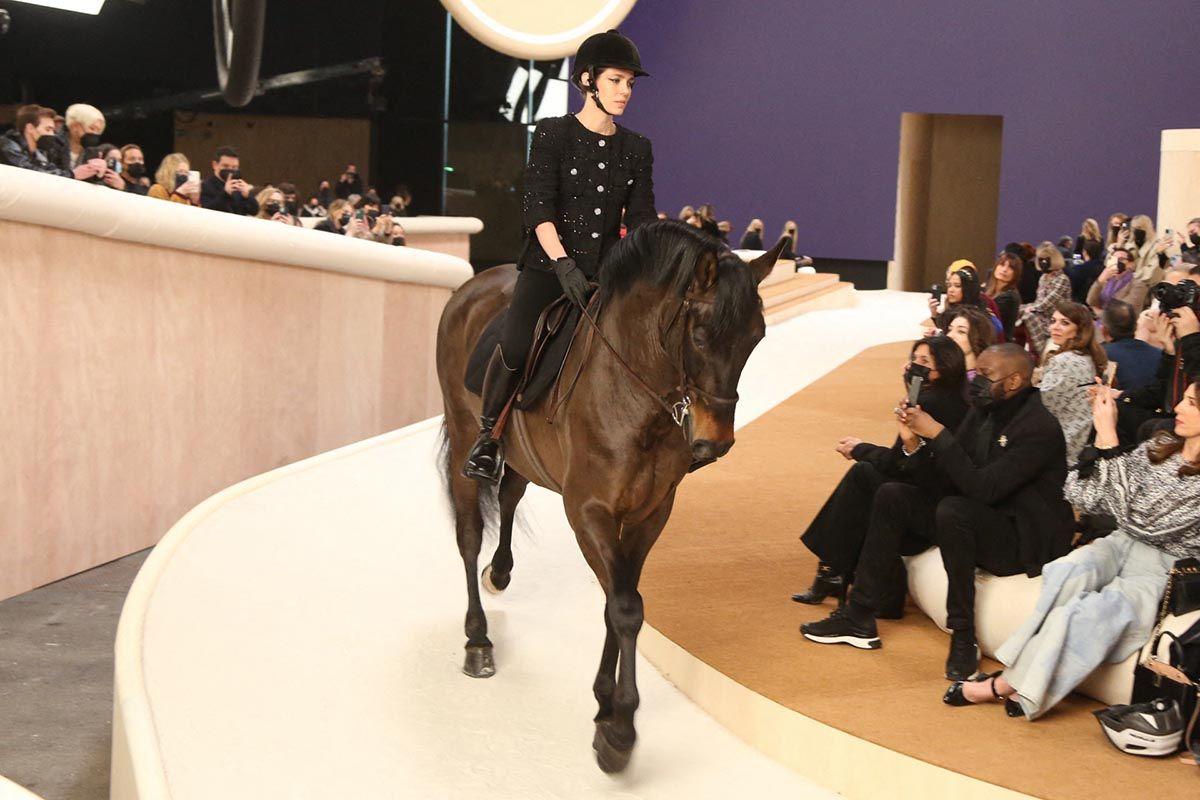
556	329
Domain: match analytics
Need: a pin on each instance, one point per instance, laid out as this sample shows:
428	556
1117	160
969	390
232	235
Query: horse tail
488	496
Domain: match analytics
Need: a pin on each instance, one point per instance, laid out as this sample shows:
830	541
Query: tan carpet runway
719	580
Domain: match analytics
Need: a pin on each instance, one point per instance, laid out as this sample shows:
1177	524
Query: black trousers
969	534
534	291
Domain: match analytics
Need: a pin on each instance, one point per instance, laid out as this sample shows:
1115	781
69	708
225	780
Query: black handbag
1183	587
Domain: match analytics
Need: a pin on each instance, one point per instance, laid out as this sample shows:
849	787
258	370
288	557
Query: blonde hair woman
271	206
171	181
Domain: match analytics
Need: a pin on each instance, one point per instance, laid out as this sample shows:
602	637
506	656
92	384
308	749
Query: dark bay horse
679	311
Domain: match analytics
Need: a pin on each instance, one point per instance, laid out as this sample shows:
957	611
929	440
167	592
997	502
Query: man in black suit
225	190
989	496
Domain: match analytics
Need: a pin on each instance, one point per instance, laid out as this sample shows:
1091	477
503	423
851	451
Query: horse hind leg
468	523
497	575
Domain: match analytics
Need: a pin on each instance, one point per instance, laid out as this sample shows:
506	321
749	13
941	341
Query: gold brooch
1003	440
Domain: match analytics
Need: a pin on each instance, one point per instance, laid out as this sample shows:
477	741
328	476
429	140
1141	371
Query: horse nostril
723	447
708	450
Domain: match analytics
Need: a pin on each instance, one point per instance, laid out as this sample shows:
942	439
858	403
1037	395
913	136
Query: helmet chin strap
595	93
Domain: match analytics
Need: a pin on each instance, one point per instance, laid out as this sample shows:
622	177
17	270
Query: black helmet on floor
1144	729
608	49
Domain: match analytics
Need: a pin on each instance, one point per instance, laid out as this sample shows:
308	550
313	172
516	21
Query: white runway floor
300	636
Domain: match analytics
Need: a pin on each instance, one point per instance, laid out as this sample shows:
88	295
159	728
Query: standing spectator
1137	362
1002	288
1084	273
1150	259
133	169
31	144
172	181
1069	370
1090	232
84	125
1116	223
752	238
1118	282
225	190
1053	288
338	218
349	182
272	206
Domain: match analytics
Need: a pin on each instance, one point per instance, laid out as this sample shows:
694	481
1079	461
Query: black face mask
271	209
291	207
180	180
913	370
1139	237
1195	237
981	392
90	140
135	170
47	143
1043	264
345	220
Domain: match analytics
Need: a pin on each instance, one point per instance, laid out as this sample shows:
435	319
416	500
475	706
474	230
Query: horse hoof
493	583
608	758
479	663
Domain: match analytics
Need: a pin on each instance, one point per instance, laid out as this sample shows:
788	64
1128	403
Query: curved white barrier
424	225
334	671
28	196
11	791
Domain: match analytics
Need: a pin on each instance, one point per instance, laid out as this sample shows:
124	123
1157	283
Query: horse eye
700	337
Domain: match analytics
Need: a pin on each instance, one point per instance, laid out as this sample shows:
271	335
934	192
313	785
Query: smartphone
1110	372
193	176
917	376
360	214
935	292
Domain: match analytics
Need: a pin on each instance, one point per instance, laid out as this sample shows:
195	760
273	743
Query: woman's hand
1104	416
1164	332
1106	274
189	190
846	445
1184	322
934	306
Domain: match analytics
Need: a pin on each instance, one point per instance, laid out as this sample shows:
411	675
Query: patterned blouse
1053	288
1150	502
1067	400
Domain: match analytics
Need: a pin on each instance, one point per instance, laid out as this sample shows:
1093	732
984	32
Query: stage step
805	292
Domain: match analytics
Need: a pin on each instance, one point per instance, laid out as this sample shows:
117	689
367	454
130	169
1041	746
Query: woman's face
1003	272
1187	415
960	332
183	168
954	293
615	87
1062	330
924	356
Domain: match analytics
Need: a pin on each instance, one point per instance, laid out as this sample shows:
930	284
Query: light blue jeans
1098	604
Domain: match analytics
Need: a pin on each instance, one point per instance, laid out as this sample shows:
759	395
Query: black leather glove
574	282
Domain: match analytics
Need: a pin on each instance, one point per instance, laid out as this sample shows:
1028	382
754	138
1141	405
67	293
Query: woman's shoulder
634	140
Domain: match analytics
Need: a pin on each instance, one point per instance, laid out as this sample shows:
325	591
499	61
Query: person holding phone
176	181
1118	282
225	190
935	379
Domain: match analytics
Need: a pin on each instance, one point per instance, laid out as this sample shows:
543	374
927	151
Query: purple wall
785	109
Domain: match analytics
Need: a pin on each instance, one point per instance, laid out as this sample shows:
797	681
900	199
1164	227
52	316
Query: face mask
1195	237
1043	264
47	143
345	219
180	180
90	140
136	170
224	174
981	392
1139	237
914	370
271	209
291	207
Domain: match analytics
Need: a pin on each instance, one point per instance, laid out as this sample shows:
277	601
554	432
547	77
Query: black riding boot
486	459
826	583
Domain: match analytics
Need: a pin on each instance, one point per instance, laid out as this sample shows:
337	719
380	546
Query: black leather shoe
827	583
963	661
841	627
485	462
954	695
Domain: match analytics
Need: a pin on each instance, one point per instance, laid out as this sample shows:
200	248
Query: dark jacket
947	406
1082	276
1137	362
1014	459
344	189
751	240
587	184
1171	380
212	195
14	153
1008	308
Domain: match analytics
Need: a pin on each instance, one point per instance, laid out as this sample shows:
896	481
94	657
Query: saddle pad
550	350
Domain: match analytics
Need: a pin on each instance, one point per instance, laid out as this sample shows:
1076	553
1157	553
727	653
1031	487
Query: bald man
988	495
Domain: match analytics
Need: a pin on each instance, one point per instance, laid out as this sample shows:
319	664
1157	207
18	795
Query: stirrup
485	447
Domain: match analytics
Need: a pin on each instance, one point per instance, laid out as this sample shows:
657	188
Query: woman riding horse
586	175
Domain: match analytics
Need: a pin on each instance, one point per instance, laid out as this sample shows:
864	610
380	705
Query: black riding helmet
600	50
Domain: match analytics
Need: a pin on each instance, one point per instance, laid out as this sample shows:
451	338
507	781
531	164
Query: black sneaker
963	661
841	627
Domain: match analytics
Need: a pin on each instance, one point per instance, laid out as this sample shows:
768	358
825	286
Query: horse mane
665	253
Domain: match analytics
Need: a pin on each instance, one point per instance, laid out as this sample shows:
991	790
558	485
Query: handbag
1175	677
1183	587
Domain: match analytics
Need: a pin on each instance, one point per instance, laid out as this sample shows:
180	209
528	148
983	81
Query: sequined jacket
587	184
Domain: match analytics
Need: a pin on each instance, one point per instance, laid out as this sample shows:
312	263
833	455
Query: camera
1173	296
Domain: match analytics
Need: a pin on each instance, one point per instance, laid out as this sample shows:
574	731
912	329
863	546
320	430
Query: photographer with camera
225	190
31	144
133	170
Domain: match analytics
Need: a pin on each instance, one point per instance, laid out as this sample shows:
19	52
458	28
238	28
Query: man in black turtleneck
989	496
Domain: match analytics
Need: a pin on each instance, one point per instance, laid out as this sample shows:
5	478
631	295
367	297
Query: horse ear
706	273
763	265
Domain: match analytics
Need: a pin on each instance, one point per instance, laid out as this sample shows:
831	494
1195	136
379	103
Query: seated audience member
962	290
82	129
31	144
695	221
1083	274
349	183
752	238
1117	281
708	220
133	170
110	175
370	222
225	190
313	208
1099	603
1140	410
272	206
1189	242
1002	288
1089	232
402	201
1030	276
789	230
1137	362
1053	288
172	182
988	496
686	213
338	218
1068	369
325	194
837	533
972	331
291	201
